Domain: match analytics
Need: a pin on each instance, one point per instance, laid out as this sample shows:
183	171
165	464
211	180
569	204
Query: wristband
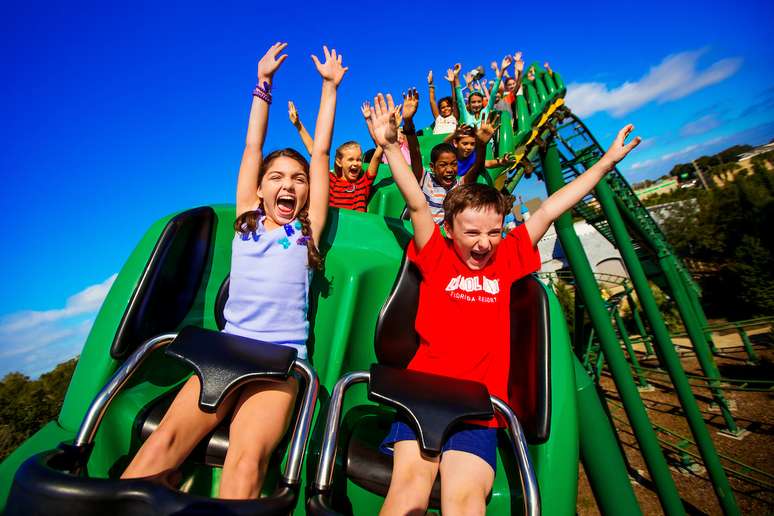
263	92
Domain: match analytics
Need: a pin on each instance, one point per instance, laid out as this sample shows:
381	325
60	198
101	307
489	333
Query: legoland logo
473	284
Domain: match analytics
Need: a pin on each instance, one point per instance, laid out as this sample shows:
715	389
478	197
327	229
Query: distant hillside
26	405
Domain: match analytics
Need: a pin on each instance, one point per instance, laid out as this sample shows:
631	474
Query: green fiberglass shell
363	254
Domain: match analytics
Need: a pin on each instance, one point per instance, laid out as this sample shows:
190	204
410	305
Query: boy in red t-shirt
462	314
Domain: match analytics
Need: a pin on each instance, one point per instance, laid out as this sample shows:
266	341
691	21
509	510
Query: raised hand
430	78
468	78
488	127
519	65
517	56
449	75
270	63
365	108
493	66
410	103
383	120
505	64
331	70
619	149
292	113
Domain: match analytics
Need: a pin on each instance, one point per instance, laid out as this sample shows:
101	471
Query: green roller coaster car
174	277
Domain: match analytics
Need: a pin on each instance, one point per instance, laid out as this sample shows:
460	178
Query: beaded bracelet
263	92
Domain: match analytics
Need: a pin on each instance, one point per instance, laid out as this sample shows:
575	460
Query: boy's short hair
345	145
478	93
477	196
439	149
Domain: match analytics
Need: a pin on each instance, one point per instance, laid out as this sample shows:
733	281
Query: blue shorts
478	440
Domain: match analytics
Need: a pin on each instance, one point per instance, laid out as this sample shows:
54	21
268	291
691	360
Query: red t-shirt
352	196
463	315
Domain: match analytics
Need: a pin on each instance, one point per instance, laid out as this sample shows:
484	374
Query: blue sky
115	115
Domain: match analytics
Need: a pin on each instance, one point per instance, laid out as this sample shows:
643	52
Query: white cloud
674	78
85	301
700	126
33	342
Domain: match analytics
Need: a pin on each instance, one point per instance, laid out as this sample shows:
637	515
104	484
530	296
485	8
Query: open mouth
286	205
353	171
479	256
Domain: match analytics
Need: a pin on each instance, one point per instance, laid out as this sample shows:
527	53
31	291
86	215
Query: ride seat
396	342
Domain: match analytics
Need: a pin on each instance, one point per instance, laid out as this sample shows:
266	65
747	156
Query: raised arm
386	135
569	195
488	127
373	165
331	72
410	105
296	121
518	68
496	86
431	87
453	77
252	157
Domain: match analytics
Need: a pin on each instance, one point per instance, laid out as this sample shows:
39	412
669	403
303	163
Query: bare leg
181	429
261	418
466	480
412	481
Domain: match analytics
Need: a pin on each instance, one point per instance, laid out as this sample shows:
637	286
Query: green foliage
26	405
728	230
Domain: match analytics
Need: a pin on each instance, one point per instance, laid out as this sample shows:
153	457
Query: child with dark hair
442	175
466	279
281	208
444	112
475	110
469	155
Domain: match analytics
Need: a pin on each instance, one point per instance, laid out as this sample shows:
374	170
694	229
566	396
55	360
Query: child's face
476	234
284	189
510	84
465	146
445	109
350	163
475	104
445	169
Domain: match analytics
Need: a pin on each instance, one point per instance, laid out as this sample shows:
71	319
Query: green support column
671	361
638	323
752	357
695	333
600	452
619	368
630	349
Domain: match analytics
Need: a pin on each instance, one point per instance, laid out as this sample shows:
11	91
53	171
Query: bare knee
411	488
464	501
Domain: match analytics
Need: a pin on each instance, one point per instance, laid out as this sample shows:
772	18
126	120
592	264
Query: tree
26	405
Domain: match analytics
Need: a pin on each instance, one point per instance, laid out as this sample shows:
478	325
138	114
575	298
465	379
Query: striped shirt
351	196
435	193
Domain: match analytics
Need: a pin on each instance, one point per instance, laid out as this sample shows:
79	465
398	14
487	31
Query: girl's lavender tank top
269	288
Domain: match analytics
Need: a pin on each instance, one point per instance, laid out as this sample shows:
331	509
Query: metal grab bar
324	478
99	406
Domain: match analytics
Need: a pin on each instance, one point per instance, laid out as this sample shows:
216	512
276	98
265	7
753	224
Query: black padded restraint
223	361
433	402
395	339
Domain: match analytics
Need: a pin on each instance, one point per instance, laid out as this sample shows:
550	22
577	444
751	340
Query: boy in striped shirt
441	176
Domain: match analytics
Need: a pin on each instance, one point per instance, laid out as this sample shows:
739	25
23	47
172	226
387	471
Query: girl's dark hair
477	196
476	93
445	99
247	222
439	149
